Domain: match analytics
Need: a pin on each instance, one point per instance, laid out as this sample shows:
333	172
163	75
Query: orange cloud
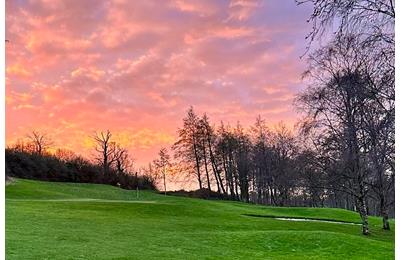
134	67
18	70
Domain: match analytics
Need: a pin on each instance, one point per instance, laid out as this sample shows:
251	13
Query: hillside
46	220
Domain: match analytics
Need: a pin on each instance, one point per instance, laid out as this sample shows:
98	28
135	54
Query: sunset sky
79	66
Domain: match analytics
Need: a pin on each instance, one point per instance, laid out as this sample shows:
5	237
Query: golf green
47	220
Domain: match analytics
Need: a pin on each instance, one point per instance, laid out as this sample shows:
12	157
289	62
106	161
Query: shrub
46	167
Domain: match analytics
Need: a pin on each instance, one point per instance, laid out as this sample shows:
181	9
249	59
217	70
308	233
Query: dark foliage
46	167
201	194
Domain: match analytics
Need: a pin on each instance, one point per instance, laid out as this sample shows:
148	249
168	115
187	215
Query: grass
47	220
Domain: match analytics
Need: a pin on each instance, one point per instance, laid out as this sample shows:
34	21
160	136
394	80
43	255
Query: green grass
47	220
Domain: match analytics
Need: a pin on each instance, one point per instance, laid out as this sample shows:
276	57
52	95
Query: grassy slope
62	221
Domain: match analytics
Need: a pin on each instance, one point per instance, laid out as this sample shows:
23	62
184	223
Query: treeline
31	160
343	152
279	167
261	165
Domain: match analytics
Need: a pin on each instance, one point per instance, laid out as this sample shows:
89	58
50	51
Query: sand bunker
298	219
316	220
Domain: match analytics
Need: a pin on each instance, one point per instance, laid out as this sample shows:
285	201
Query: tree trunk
231	177
165	184
206	166
227	182
385	215
217	175
362	210
197	163
236	185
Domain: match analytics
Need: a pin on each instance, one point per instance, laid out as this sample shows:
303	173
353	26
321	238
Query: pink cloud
134	67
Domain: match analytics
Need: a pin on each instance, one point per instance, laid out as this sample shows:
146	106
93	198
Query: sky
134	67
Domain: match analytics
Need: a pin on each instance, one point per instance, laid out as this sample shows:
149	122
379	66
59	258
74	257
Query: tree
65	154
262	161
39	141
225	147
371	24
336	102
121	159
162	164
242	157
106	149
308	166
152	174
371	21
208	143
188	146
379	143
284	177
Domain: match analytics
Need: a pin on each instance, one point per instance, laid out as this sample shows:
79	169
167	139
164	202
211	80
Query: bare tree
106	149
243	164
121	159
379	143
283	153
225	151
336	102
65	154
150	172
262	161
330	164
371	20
21	146
39	141
209	143
162	164
187	148
371	25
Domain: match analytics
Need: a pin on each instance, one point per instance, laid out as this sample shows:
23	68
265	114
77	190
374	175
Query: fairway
47	220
